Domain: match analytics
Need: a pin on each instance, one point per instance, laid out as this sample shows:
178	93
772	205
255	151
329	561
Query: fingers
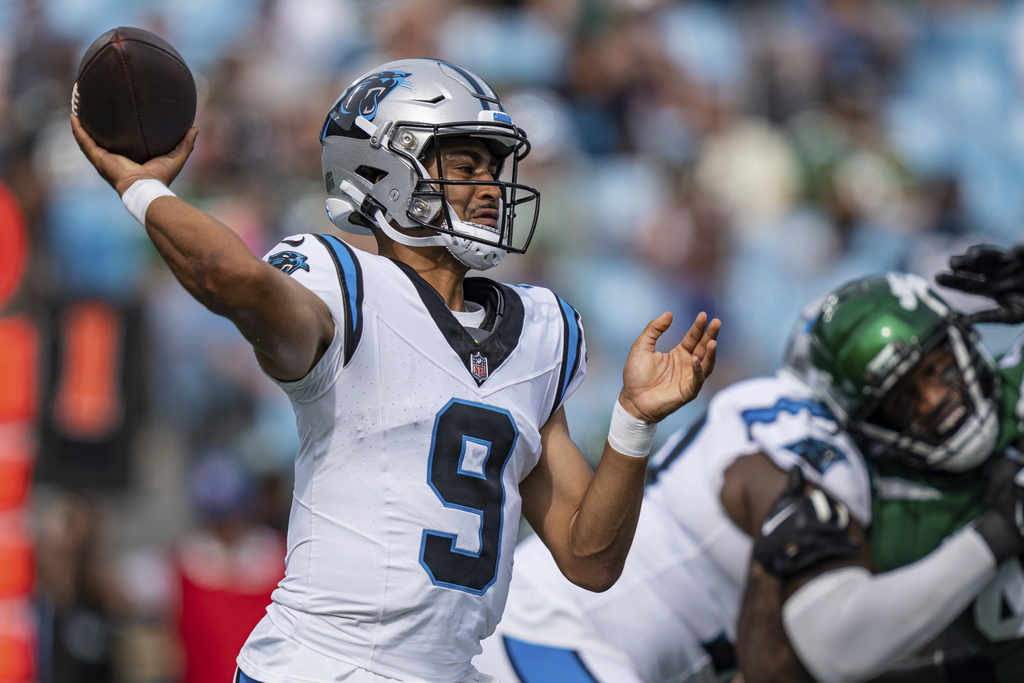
970	283
701	334
710	355
167	167
710	334
187	144
705	352
699	341
81	137
695	335
112	167
697	378
978	256
993	315
649	337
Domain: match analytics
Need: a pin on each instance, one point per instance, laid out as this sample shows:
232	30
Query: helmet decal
909	289
487	99
819	454
361	99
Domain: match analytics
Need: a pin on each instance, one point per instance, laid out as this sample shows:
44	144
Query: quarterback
429	405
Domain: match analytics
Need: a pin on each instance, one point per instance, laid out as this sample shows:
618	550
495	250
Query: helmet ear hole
357	218
374	175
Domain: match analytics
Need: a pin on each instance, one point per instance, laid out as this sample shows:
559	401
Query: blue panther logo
362	99
818	453
288	262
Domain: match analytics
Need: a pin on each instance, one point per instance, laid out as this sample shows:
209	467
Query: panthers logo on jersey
288	262
818	453
362	99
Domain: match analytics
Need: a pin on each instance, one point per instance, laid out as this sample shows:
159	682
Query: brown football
134	94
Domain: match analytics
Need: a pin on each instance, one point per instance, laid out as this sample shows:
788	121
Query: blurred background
733	157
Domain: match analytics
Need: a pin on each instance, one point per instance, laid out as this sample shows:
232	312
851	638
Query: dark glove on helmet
803	529
994	272
1002	523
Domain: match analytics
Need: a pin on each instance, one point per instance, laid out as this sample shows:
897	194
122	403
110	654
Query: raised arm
288	326
588	518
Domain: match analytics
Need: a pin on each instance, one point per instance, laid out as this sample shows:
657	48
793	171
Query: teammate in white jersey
429	406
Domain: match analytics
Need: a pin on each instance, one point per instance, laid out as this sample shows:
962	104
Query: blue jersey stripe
351	278
786	405
570	350
543	664
240	677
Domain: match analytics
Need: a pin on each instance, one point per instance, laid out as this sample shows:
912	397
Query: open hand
654	384
121	171
993	272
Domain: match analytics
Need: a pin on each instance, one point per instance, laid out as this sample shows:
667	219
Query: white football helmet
375	139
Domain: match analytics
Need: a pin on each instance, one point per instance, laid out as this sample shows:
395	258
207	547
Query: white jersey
678	599
414	438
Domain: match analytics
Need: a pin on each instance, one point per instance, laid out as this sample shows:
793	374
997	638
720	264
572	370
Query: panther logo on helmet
362	99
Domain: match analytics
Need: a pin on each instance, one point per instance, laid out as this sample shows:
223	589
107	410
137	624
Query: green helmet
872	333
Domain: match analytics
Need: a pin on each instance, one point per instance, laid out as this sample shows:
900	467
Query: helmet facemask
958	432
477	244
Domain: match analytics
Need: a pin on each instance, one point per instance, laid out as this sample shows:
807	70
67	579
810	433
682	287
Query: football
134	94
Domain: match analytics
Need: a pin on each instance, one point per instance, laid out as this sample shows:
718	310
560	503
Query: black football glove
1002	522
995	272
803	529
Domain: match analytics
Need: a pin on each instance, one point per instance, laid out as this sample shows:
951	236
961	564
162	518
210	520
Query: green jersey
913	511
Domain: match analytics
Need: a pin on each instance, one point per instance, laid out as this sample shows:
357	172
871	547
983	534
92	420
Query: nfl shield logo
478	366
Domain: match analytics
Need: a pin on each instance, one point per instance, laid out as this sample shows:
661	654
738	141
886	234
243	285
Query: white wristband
629	435
141	194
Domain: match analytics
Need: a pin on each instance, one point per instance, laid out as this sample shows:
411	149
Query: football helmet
375	146
869	337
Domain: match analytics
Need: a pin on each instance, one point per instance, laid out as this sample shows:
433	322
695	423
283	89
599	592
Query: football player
941	424
429	405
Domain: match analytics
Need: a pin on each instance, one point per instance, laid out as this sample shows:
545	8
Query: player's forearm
848	625
763	651
603	529
208	258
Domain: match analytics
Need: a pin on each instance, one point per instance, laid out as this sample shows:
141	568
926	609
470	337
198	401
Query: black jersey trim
350	275
504	320
659	465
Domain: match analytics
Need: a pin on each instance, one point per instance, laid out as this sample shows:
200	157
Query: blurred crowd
737	157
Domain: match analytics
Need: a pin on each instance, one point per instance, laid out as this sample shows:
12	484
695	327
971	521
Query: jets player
941	424
429	405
